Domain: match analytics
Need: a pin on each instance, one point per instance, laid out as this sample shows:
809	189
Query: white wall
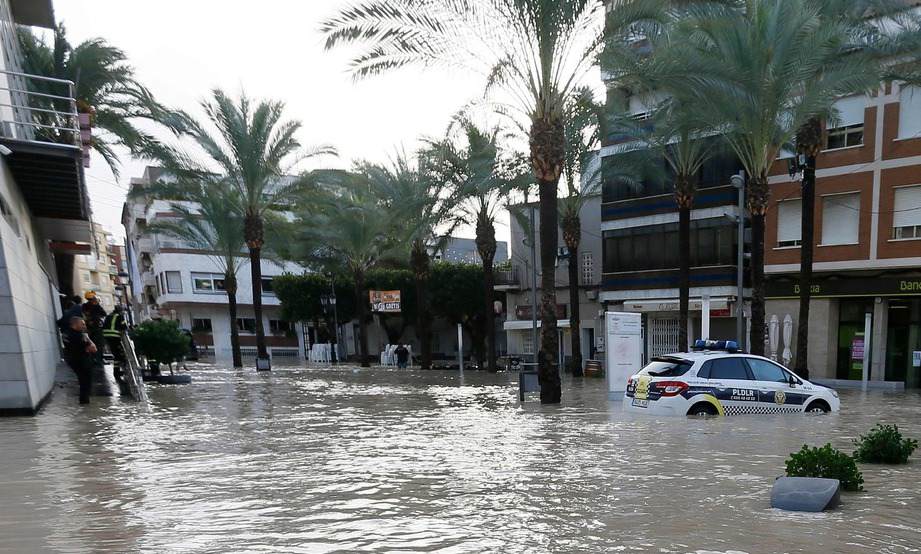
29	344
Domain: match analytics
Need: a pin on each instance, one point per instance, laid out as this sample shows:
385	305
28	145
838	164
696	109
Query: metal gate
662	336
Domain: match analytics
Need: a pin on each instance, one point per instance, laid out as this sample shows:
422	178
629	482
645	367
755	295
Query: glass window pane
728	368
764	370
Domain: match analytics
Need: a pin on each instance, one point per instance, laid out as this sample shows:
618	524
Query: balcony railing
506	278
39	109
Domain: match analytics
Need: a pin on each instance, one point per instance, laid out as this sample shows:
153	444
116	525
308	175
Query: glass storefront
903	339
851	314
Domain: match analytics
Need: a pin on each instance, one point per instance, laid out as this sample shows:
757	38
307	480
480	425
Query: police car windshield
666	367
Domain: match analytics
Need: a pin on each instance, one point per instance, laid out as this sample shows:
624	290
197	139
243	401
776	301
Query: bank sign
386	301
844	286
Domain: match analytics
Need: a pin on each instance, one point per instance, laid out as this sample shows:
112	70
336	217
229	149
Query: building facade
868	241
97	271
44	215
464	251
174	280
519	284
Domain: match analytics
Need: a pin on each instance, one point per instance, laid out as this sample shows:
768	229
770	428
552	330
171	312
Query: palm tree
481	175
535	51
413	196
582	182
347	228
105	88
211	223
765	69
256	151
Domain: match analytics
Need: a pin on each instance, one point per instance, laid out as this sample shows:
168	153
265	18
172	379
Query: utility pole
534	286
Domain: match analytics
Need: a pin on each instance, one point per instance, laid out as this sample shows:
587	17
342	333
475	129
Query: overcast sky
272	49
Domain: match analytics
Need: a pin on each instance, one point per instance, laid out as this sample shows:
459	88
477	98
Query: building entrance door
662	337
903	339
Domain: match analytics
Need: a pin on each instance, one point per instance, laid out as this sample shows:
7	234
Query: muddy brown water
343	460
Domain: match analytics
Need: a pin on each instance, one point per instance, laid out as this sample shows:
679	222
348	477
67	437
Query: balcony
40	133
506	279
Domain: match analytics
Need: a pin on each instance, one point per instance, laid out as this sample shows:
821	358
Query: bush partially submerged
826	462
161	340
884	445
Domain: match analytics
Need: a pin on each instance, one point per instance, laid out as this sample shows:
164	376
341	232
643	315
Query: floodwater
327	460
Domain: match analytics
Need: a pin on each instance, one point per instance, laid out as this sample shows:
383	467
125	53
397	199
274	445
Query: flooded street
320	460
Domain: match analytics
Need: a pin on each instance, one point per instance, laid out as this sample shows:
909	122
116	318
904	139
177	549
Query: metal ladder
132	373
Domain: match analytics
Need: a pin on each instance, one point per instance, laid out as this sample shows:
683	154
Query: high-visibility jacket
114	325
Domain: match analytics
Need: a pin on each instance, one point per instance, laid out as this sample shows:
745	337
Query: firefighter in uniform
112	330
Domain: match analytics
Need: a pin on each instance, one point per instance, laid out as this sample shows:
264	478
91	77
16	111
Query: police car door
773	382
732	385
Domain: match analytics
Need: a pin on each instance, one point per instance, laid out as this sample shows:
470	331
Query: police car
716	379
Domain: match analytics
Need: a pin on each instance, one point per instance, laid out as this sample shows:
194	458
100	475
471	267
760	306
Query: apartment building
868	241
98	271
463	250
44	214
174	280
639	225
519	284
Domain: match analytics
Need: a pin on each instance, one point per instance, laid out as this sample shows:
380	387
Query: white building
97	271
173	280
44	216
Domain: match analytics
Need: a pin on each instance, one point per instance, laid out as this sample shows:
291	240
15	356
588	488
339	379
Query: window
588	268
280	327
906	217
267	286
664	367
201	325
789	223
655	247
763	370
246	324
86	277
846	128
527	345
910	112
174	282
840	219
207	282
725	368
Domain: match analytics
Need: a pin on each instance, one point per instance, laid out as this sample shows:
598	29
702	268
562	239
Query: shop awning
518	325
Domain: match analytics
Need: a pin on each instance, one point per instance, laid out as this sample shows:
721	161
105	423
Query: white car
715	379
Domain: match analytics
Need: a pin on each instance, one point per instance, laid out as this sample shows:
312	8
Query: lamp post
738	181
329	300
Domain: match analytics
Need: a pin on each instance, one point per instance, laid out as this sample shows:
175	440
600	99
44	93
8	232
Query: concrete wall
823	332
29	343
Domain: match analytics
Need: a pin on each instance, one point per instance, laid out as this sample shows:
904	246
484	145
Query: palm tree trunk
486	247
362	302
547	142
255	264
757	206
801	366
421	264
230	285
684	271
572	230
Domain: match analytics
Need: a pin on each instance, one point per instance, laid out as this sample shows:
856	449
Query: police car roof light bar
727	345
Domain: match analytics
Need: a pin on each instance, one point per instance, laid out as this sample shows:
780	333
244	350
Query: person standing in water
79	353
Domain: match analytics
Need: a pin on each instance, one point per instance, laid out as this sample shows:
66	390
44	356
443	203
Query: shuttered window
841	219
906	217
174	282
845	128
789	223
910	112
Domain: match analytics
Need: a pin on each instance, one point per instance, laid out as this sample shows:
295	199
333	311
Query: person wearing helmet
112	330
95	316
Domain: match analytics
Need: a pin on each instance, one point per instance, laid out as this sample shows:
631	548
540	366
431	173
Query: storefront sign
624	331
847	286
386	301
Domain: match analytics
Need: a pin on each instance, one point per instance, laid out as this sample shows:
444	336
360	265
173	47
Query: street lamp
738	181
329	300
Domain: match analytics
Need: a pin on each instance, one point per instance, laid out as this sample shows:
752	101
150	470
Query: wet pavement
326	460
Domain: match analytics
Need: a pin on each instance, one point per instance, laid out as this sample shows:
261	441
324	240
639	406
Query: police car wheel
818	407
702	409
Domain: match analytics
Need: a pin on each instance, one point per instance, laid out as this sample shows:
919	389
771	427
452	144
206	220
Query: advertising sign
624	332
386	301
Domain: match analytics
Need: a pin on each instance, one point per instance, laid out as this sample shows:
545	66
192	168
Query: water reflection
331	460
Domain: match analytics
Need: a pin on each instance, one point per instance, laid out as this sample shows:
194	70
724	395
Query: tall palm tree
413	195
257	152
347	228
481	174
536	52
105	88
765	69
211	223
582	182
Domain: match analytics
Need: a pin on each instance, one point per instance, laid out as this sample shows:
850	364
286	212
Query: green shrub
826	462
161	340
884	445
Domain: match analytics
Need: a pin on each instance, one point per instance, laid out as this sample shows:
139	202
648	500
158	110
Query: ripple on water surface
307	460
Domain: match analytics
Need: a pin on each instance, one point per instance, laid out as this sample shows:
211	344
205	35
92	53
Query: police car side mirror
791	380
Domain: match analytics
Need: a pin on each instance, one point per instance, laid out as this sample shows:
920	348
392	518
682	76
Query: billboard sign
385	301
